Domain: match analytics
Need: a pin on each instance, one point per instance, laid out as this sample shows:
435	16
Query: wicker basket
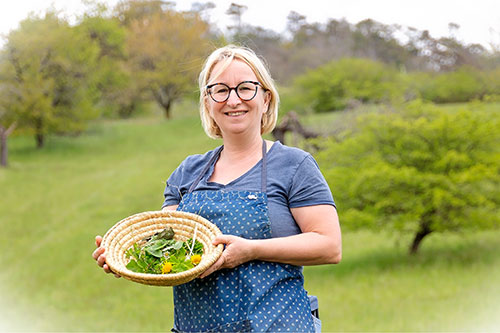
139	226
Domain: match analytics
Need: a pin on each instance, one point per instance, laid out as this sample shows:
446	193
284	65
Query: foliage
48	67
7	119
417	170
118	90
346	83
462	85
307	45
165	50
162	254
334	85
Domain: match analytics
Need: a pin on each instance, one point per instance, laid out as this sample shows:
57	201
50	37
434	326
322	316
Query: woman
270	201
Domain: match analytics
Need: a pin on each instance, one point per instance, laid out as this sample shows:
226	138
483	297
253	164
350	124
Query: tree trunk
166	108
39	136
4	133
3	147
165	96
424	231
291	123
40	140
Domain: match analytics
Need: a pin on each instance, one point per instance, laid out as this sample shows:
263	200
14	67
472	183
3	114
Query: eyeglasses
246	91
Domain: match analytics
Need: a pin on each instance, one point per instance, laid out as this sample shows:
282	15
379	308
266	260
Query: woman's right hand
100	257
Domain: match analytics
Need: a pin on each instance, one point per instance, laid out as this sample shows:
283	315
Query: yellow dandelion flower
195	259
166	268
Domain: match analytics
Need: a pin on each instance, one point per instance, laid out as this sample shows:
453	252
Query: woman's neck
236	149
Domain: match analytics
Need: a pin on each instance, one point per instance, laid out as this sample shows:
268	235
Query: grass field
54	201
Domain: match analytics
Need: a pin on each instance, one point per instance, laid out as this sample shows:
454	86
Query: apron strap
215	156
263	173
204	171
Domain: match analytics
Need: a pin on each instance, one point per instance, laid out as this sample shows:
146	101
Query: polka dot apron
255	296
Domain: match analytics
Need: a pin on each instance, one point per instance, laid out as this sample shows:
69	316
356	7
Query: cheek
210	108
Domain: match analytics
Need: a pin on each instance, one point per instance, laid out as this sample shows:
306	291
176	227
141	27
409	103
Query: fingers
108	270
97	252
223	239
101	260
98	240
220	263
217	265
100	257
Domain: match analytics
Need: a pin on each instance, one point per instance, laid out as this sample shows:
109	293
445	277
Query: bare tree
236	12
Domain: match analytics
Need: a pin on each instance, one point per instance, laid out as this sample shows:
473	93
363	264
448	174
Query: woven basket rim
138	226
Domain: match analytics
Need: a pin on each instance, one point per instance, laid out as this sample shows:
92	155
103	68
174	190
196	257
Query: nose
233	98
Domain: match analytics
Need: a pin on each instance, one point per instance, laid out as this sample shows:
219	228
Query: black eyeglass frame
257	84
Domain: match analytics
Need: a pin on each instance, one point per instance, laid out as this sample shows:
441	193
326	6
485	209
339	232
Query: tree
295	22
4	134
49	72
236	12
376	41
7	114
419	170
203	9
7	124
165	52
461	85
332	86
118	92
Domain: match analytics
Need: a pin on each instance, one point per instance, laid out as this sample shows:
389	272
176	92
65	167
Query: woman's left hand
237	251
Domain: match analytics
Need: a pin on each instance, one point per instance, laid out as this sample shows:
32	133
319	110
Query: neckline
232	182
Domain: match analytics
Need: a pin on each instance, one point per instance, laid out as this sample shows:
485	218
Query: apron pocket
317	325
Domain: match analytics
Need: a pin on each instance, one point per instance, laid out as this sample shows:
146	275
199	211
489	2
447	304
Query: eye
219	90
246	87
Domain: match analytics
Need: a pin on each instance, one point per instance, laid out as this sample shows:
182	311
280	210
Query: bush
462	85
332	86
418	170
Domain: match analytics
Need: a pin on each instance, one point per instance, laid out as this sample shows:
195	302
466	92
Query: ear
267	100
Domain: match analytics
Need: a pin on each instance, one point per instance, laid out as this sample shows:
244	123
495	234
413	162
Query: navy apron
255	296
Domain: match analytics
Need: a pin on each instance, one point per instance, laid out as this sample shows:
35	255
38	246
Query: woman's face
236	116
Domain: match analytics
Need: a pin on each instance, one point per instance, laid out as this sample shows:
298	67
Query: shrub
418	170
332	86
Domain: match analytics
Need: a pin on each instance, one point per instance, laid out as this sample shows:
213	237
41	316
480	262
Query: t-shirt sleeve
308	186
173	190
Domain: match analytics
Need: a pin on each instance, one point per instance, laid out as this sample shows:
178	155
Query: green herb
155	252
197	249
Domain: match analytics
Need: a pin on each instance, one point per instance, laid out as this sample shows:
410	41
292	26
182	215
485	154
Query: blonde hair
226	55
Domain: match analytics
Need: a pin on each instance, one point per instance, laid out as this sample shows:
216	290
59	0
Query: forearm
319	243
309	248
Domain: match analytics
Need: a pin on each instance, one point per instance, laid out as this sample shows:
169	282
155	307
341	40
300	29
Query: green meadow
55	200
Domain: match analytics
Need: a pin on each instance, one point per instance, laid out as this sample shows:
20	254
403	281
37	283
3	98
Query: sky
479	20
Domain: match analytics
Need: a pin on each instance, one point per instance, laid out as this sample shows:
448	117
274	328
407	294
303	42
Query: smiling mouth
235	113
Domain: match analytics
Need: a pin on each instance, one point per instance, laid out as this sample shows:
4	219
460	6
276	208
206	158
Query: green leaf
155	253
156	244
134	267
150	257
177	245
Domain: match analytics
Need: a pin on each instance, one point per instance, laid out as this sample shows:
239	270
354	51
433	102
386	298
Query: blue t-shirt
293	180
